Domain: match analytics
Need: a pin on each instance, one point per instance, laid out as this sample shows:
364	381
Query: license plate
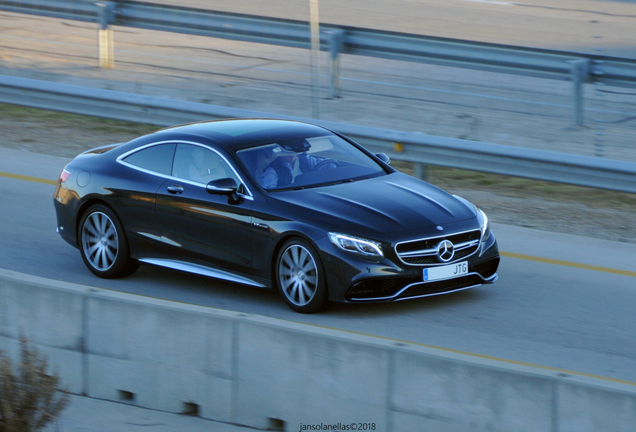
445	272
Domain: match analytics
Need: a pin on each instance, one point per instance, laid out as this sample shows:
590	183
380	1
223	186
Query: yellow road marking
28	178
568	264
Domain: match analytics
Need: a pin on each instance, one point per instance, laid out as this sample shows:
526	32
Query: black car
274	204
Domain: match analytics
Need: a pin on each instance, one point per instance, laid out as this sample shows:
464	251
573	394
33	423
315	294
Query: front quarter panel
271	227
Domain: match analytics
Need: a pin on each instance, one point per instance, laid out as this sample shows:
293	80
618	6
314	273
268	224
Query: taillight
64	175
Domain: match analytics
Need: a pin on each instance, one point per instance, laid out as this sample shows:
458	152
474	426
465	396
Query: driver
286	167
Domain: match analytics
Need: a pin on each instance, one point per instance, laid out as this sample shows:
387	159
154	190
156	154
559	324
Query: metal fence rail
64	9
417	147
576	67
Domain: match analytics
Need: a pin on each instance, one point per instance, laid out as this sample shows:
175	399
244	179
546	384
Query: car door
202	227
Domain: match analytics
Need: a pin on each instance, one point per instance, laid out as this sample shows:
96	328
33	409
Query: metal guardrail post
336	42
106	15
314	25
580	75
600	116
420	171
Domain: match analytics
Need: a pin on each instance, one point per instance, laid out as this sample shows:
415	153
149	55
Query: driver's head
290	159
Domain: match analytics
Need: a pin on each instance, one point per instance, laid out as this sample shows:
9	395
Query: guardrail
414	147
568	66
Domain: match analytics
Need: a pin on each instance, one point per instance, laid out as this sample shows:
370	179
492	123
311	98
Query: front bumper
354	280
404	289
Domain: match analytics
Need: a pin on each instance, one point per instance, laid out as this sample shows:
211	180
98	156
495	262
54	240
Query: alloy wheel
298	275
100	241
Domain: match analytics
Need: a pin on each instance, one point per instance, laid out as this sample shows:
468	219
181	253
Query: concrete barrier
263	372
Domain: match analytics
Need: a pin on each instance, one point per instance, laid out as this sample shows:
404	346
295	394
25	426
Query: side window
156	158
200	165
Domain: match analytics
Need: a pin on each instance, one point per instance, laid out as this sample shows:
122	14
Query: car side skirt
201	270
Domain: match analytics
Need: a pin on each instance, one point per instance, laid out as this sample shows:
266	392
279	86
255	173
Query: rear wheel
103	244
300	277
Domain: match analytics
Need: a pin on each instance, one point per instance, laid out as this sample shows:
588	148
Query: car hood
385	204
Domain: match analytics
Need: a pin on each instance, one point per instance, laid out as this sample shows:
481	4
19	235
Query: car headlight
358	246
484	223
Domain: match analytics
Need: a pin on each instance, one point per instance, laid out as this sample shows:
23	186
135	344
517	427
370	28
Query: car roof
240	133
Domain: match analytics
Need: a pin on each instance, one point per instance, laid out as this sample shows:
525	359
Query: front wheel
300	277
103	244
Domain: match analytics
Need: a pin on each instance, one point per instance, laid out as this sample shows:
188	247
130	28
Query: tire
103	244
300	277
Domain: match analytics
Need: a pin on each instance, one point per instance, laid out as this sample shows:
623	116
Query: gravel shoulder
527	203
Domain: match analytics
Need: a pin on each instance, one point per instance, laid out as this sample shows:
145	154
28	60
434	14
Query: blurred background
451	102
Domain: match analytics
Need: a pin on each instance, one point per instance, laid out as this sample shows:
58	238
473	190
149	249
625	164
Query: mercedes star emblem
445	251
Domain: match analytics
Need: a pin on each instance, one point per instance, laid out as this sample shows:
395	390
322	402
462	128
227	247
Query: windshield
306	162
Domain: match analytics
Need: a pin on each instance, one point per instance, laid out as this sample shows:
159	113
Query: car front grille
424	251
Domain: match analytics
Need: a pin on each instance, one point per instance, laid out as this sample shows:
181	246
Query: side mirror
384	158
224	186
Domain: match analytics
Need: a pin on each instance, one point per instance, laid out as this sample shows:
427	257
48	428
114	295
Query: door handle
175	189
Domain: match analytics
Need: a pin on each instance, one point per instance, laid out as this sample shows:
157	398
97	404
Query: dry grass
59	120
29	397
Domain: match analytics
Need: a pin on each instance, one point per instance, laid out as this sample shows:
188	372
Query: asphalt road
551	307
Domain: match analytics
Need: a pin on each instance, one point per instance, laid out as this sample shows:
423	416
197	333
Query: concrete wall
248	369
